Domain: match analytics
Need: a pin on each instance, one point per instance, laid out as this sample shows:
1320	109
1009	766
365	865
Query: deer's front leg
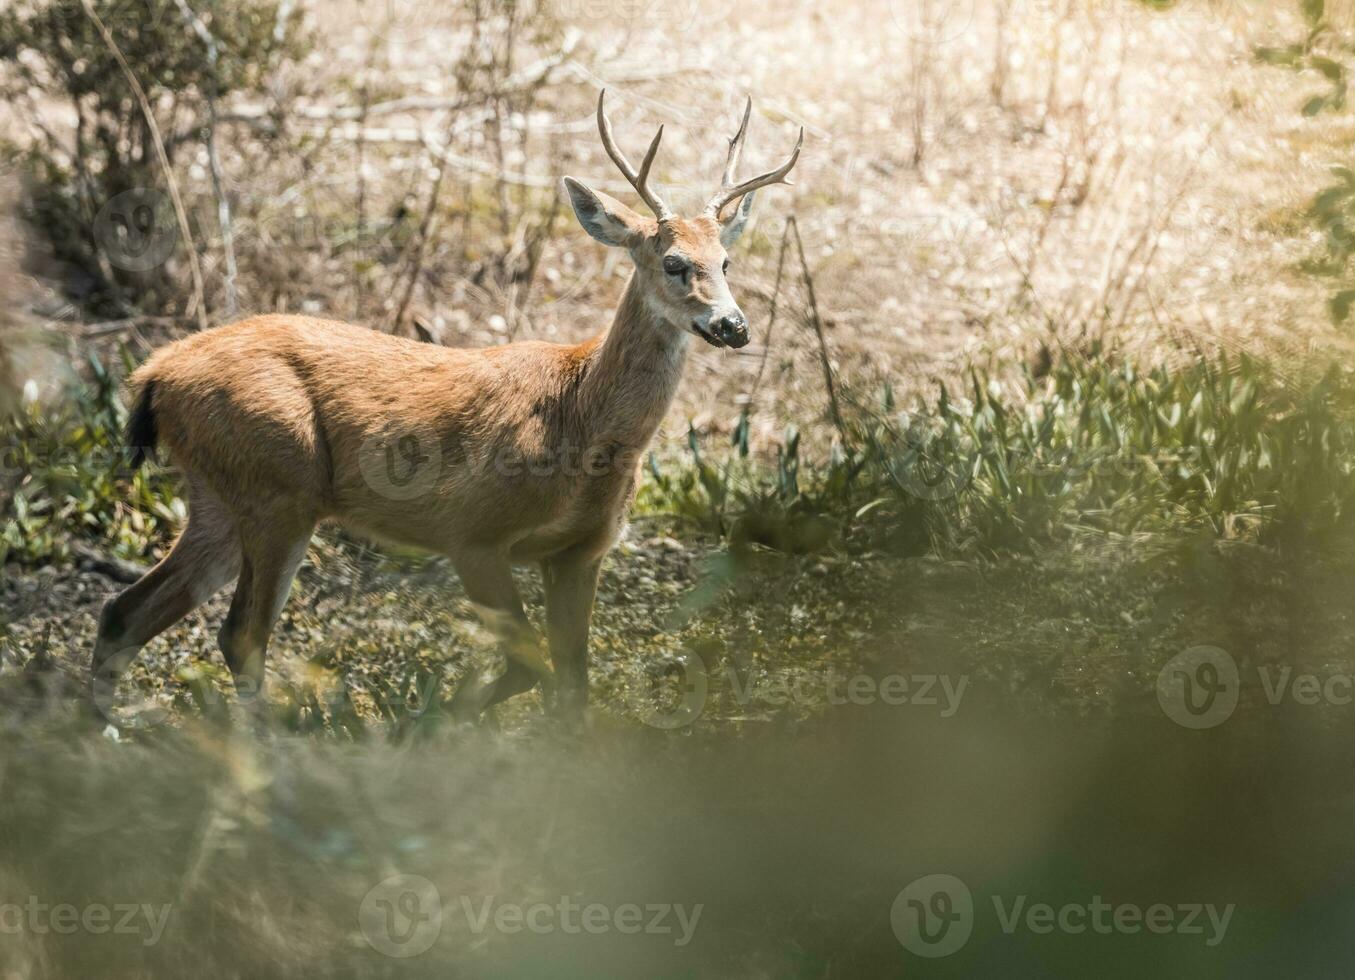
571	585
488	580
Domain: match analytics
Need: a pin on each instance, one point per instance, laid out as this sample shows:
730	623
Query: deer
527	452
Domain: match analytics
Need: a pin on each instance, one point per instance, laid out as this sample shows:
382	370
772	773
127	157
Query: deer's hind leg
488	580
274	544
204	559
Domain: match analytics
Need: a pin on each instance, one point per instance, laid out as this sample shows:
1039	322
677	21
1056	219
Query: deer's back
404	439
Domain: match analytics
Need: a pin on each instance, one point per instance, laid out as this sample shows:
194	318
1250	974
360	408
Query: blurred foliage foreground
266	859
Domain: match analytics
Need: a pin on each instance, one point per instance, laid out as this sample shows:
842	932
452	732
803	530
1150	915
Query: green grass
64	472
1094	446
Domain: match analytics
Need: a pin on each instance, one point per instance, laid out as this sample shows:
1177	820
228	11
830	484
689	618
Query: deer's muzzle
731	330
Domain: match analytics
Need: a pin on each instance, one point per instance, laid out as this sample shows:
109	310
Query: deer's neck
633	373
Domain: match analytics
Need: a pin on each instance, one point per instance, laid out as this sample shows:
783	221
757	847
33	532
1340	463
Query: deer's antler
640	181
729	191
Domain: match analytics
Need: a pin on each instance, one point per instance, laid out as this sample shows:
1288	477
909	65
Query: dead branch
223	206
199	303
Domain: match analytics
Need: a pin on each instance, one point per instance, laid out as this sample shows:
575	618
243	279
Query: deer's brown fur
524	452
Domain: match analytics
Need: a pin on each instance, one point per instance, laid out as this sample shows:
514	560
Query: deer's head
681	262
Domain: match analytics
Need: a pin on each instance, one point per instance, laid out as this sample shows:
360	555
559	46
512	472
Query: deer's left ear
603	217
732	227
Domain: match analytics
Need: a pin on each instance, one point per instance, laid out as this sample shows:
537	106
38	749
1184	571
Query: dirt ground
977	180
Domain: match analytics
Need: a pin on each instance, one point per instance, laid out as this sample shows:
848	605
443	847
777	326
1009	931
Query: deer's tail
141	431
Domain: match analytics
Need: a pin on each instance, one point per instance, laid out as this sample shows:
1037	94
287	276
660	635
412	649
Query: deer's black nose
732	328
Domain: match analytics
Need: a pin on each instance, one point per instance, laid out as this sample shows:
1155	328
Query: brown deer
527	452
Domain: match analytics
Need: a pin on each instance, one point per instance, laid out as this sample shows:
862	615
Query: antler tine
730	191
640	181
736	146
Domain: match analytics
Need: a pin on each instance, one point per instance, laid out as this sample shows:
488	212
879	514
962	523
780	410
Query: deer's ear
732	227
603	217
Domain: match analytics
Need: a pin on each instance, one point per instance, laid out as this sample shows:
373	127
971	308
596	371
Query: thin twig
817	323
223	206
771	316
365	98
199	304
525	78
416	263
106	327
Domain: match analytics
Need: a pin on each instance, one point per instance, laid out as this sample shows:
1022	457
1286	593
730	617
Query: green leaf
1314	10
1315	105
1287	56
1340	305
1326	203
1333	70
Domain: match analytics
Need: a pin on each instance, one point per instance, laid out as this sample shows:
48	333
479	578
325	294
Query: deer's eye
674	266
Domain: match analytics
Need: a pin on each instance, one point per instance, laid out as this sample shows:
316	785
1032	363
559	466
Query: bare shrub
90	153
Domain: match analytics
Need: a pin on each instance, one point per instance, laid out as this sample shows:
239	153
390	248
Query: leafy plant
63	472
1091	447
1326	52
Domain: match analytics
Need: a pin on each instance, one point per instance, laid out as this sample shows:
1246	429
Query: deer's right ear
603	217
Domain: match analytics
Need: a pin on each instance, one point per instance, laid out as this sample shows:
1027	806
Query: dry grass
1078	169
1118	186
23	354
